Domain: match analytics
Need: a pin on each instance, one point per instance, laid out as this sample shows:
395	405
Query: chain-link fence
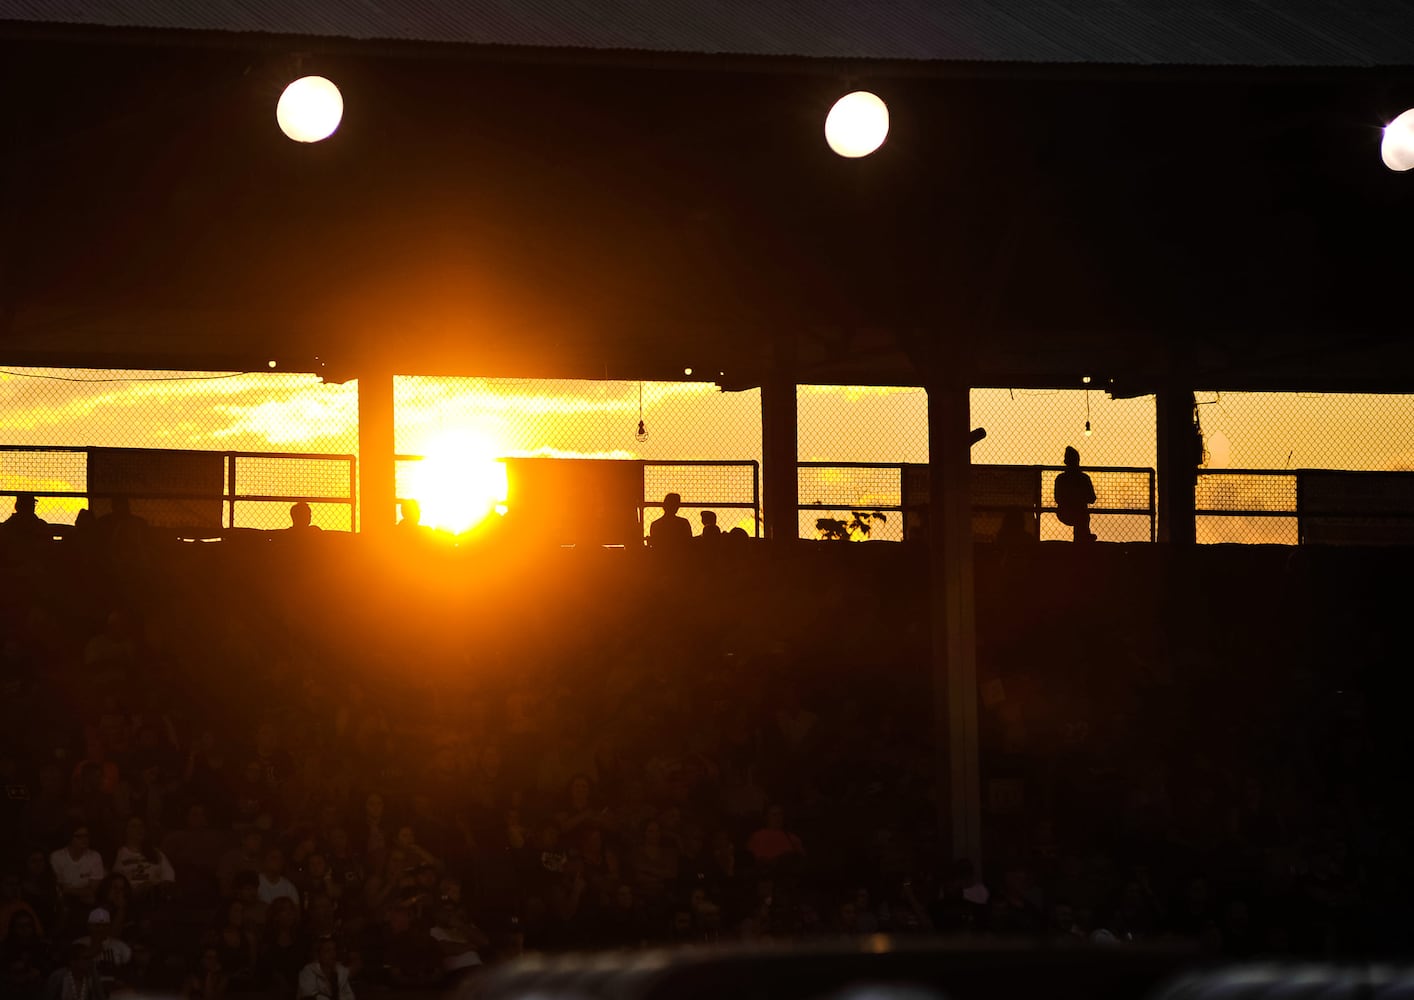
1249	489
842	425
696	440
260	412
1254	442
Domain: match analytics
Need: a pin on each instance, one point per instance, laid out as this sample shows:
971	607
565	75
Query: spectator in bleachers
301	520
324	978
147	869
773	842
114	896
78	868
24	526
25	958
710	531
671	531
208	979
245	857
111	954
236	947
273	884
284	949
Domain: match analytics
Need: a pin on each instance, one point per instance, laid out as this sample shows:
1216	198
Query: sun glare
458	483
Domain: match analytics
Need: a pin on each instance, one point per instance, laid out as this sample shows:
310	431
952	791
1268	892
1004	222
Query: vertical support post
1179	455
353	493
231	487
954	628
377	467
778	446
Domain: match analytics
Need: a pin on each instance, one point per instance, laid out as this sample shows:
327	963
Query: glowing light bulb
272	364
310	109
857	125
687	371
1087	428
1397	145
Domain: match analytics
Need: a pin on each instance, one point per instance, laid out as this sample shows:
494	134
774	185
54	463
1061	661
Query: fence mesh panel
1265	431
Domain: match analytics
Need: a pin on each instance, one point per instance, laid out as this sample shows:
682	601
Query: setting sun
458	483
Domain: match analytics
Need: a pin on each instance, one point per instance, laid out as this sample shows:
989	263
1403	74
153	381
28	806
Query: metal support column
1180	452
778	446
376	467
953	619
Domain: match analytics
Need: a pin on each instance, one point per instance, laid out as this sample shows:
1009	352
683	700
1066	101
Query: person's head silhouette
671	503
301	515
1072	458
709	519
24	504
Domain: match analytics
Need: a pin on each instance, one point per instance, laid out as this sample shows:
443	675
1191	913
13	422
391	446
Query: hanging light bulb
1087	428
642	434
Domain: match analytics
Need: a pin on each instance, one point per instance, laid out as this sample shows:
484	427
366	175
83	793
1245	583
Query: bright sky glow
459	482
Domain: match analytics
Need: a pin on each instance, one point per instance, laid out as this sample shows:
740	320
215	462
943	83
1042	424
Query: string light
642	434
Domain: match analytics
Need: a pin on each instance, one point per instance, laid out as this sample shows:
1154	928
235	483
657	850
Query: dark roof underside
1274	33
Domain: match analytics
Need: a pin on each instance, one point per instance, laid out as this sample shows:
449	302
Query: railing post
231	488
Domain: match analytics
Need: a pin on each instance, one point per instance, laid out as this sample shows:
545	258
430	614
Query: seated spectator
247	893
111	953
346	867
773	842
146	868
198	851
324	978
301	520
115	896
272	882
461	940
24	955
39	887
411	958
284	949
207	979
243	858
24	526
77	867
321	916
655	864
77	977
235	946
710	531
12	902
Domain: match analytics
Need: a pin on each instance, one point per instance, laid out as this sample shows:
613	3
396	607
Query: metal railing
996	489
273	479
703	484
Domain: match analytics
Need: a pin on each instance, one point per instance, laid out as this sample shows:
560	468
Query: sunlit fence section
197	492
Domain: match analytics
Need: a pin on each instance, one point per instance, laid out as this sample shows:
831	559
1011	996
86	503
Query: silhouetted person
412	515
301	519
710	531
670	531
1074	494
24	524
120	527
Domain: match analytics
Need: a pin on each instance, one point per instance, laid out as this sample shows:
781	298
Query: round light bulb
1397	145
310	109
687	371
857	125
272	364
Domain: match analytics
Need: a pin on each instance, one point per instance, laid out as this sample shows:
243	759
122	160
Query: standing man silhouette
1074	494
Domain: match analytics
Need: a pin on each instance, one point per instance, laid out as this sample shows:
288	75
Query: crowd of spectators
292	771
